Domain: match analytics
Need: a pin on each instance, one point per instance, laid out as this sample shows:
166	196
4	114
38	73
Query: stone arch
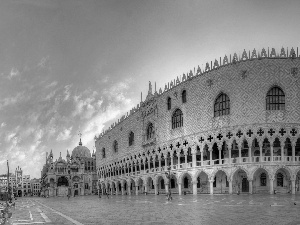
260	184
213	174
240	179
196	175
182	175
286	170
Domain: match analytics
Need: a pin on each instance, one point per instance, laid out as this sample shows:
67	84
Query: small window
222	105
131	138
103	153
263	179
275	99
177	119
150	131
115	146
183	96
169	103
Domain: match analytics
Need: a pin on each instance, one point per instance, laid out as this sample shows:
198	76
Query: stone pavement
150	209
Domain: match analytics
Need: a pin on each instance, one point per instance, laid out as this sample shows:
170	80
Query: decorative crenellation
233	59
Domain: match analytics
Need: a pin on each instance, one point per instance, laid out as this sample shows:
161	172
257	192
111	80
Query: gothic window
103	153
115	146
150	131
183	96
131	138
279	180
177	119
185	182
215	182
222	105
263	179
227	183
275	99
169	103
198	182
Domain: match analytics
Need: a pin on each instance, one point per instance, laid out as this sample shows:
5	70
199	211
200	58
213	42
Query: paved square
151	209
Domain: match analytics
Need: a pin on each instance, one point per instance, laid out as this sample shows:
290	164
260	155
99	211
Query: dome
81	151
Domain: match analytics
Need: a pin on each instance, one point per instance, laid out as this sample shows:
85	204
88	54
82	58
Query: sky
70	66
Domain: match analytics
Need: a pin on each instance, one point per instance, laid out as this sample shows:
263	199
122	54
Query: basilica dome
81	151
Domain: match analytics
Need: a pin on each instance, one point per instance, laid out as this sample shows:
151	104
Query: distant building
77	173
35	187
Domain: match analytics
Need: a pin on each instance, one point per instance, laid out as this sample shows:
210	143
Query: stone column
210	156
122	188
166	163
111	189
293	186
293	150
149	165
230	186
201	152
135	168
282	150
129	188
194	187
102	190
240	152
211	187
271	149
172	162
185	160
144	166
179	188
250	152
131	167
178	160
260	151
159	163
117	189
220	149
146	187
229	146
140	167
250	187
272	185
194	159
155	188
136	190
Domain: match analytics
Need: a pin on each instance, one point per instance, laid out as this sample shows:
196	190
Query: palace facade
233	127
76	175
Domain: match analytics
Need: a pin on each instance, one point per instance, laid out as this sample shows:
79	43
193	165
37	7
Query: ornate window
169	103
183	96
263	179
131	138
103	153
222	105
177	119
279	180
115	146
150	131
275	99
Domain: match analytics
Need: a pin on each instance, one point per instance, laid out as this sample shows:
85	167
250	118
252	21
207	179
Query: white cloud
53	84
64	135
13	73
3	124
67	92
43	63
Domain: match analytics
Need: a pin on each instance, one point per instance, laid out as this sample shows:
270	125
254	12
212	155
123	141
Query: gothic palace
233	127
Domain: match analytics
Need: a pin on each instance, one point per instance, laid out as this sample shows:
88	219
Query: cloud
44	63
53	84
13	73
67	92
3	124
64	135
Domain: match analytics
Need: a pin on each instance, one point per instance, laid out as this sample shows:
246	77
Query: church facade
75	175
232	127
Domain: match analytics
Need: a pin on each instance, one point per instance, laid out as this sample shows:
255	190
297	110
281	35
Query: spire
79	134
68	155
150	89
51	154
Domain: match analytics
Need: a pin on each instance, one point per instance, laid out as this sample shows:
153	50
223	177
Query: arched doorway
261	181
185	186
240	181
202	183
282	182
221	184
